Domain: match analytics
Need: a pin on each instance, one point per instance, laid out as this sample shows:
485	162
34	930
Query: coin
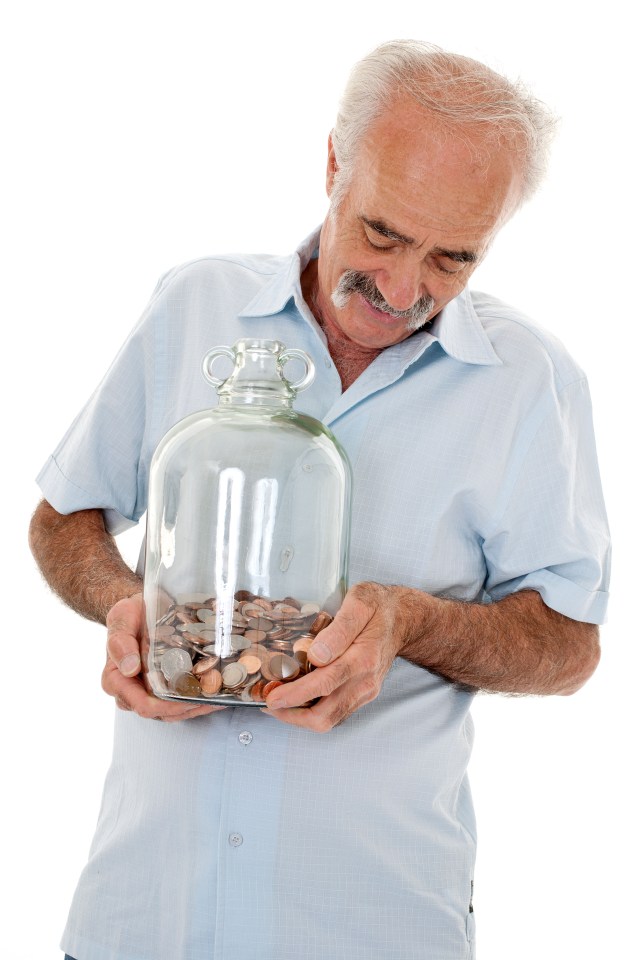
283	667
175	662
264	643
186	684
321	621
308	608
211	682
303	642
234	675
202	666
260	623
252	664
240	642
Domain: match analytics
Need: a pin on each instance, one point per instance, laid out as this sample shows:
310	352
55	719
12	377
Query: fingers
351	619
121	676
125	624
352	655
130	694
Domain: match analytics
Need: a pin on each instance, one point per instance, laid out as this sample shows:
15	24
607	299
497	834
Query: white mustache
353	281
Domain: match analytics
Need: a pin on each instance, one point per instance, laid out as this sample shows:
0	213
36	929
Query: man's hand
352	656
517	645
122	674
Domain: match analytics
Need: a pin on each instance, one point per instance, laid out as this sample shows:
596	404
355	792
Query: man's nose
400	285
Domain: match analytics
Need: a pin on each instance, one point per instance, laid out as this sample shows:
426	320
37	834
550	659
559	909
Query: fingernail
130	664
320	651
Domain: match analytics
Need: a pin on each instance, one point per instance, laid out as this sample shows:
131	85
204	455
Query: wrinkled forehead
412	158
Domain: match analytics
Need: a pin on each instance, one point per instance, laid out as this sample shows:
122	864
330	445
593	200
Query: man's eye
378	244
452	268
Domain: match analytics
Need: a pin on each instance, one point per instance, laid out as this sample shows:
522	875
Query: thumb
335	639
125	623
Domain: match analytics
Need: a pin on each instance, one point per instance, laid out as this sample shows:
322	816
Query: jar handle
309	372
207	363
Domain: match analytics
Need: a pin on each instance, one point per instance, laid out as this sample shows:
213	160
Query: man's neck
349	358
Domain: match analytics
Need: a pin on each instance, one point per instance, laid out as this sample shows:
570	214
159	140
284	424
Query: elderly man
479	552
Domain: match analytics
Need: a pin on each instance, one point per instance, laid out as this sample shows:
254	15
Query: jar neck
257	377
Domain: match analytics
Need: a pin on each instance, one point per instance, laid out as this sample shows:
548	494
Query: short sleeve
550	532
98	462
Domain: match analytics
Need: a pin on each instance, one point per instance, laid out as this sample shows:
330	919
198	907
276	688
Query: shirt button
245	737
235	839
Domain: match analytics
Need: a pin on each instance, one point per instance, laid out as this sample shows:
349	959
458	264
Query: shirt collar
273	297
457	328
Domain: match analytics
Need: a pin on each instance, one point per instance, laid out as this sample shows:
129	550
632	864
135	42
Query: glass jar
247	535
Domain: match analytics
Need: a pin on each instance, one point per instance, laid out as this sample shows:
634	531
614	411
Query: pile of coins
238	655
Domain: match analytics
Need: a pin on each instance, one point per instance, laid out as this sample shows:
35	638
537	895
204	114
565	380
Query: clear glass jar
247	535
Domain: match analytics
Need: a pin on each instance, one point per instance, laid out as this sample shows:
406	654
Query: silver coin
309	607
239	642
205	613
175	662
234	675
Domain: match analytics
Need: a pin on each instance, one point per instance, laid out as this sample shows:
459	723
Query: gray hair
465	95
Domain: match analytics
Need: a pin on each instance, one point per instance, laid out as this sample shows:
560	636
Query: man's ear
331	165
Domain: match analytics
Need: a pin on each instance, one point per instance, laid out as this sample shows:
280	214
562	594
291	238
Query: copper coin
252	664
242	595
302	659
211	682
266	672
262	602
164	630
256	690
255	636
283	667
303	642
202	666
272	685
321	621
186	685
292	602
251	609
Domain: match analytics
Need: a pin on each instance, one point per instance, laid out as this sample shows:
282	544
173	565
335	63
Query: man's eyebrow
458	256
380	227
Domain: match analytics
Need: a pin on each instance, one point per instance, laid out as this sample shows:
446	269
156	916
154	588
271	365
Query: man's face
418	216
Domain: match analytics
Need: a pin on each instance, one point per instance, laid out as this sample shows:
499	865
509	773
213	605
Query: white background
138	135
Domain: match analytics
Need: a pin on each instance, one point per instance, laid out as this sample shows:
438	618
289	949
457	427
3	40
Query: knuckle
322	724
370	690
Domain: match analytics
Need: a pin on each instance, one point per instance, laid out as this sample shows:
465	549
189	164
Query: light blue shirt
236	837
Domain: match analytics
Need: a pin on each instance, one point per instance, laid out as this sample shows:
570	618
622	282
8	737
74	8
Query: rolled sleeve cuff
67	497
561	595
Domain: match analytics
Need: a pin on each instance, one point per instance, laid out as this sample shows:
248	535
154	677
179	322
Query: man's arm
82	564
516	645
80	561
